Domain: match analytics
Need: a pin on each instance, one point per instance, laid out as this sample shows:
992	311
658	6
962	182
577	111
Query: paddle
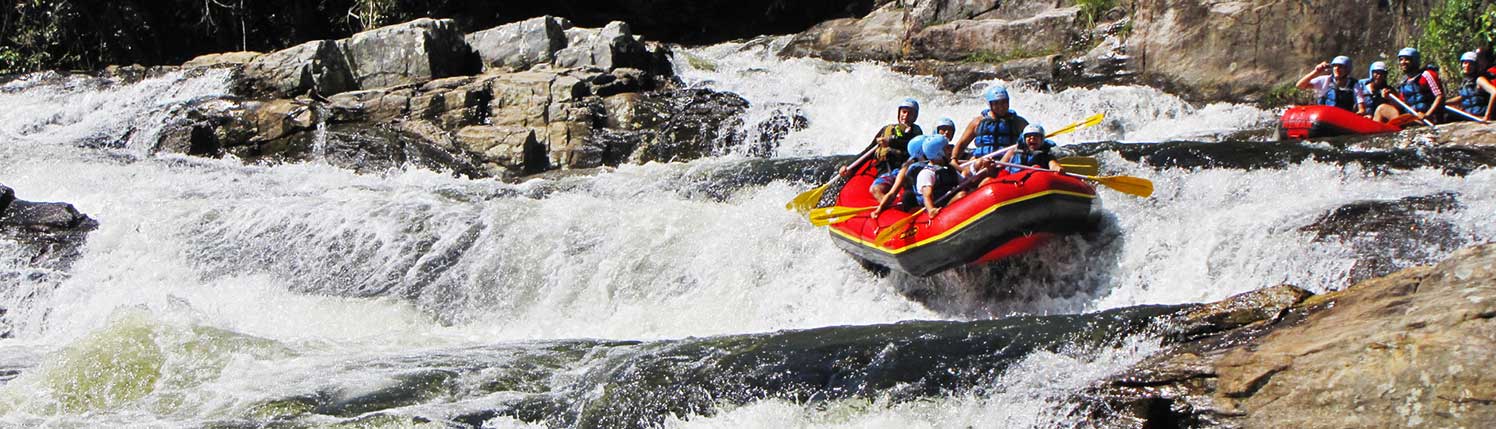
1465	114
1082	165
895	228
1410	110
807	200
1088	121
834	215
1136	186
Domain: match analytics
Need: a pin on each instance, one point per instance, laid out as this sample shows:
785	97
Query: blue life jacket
1028	157
1418	96
911	176
1342	97
1473	99
946	179
993	134
1374	98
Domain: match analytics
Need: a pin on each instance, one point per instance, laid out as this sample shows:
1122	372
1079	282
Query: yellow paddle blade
807	200
1092	120
897	228
1082	165
1126	184
834	215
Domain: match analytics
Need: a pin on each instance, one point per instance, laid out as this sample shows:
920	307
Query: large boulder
610	47
1046	33
1407	350
879	36
1239	50
519	45
50	235
409	53
313	65
504	149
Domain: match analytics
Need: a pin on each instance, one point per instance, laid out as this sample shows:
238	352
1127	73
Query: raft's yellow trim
961	225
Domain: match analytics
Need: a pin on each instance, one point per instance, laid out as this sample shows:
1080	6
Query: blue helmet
911	103
995	93
917	147
945	122
1410	53
934	146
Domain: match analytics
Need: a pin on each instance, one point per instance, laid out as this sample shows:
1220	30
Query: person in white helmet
1332	83
1034	152
1369	90
889	146
1475	90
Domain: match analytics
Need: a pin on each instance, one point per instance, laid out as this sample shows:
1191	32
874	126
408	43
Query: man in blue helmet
995	129
889	146
1475	90
1369	90
1420	88
946	127
1332	83
1034	152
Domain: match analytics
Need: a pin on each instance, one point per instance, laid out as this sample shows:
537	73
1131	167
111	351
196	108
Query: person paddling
903	186
995	129
1420	89
1475	90
1369	96
890	146
938	177
1332	83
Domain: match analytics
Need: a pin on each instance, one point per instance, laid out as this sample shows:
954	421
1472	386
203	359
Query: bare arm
898	185
1490	88
966	137
1319	69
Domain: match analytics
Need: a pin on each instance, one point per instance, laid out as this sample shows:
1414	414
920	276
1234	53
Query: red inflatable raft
1005	217
1306	122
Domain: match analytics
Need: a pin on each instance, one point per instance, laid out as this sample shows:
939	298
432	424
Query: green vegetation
1283	95
1457	26
1092	10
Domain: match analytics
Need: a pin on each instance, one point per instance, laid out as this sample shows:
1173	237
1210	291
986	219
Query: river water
216	293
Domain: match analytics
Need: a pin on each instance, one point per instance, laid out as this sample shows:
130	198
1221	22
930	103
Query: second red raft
1307	122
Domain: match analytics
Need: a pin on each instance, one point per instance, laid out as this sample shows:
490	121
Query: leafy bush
1455	27
1092	10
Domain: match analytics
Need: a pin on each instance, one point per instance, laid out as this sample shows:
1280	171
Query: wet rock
507	148
316	65
226	59
372	105
607	48
1408	349
408	53
1043	34
1389	234
367	149
453	102
520	45
278	118
699	124
50	235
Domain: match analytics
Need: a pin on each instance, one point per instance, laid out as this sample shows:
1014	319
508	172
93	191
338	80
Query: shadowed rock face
1411	349
49	234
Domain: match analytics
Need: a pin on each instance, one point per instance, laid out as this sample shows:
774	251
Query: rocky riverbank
1408	350
514	100
1206	51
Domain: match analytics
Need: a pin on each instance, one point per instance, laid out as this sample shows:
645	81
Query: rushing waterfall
216	292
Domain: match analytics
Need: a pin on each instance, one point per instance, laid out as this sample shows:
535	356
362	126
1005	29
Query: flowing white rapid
212	287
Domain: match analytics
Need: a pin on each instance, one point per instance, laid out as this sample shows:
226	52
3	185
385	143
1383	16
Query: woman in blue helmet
995	129
938	178
890	144
1332	83
1420	88
904	183
1369	90
1475	90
